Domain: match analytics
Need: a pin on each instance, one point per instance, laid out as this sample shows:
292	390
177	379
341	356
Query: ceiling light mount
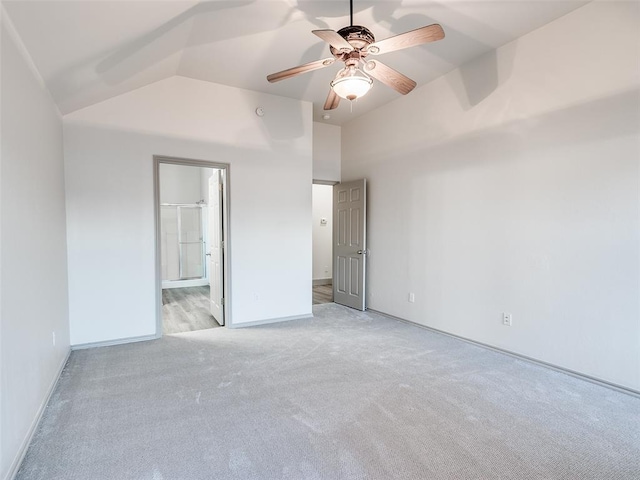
358	37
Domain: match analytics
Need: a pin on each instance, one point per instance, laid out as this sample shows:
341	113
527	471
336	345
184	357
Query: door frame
226	234
329	183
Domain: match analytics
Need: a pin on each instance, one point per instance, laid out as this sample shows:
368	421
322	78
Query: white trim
110	343
573	373
226	227
17	461
325	182
272	320
198	282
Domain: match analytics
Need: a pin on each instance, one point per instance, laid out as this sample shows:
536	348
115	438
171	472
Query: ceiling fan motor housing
359	37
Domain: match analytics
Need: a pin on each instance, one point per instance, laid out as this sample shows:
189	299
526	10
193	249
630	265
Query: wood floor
186	309
322	294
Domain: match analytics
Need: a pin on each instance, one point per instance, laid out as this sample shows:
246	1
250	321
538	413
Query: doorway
192	267
322	214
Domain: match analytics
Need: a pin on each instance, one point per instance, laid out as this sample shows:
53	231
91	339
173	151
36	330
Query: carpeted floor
346	395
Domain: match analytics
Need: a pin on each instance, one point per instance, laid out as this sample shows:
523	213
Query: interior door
216	247
349	243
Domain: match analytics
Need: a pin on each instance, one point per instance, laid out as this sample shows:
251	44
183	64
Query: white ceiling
88	51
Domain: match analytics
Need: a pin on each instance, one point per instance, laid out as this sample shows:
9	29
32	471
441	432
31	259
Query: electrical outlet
412	297
53	335
507	319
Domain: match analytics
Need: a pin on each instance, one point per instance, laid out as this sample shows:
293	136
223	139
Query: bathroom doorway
191	216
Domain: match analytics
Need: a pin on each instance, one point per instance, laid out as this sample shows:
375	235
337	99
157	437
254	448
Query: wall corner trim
17	461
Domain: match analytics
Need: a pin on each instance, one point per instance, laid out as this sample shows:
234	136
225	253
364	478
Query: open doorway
322	208
191	219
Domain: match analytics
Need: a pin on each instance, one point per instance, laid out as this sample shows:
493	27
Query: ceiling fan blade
307	67
389	76
332	100
334	39
430	33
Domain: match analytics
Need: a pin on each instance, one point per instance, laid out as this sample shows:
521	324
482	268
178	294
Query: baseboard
15	465
542	363
110	343
271	320
200	282
322	281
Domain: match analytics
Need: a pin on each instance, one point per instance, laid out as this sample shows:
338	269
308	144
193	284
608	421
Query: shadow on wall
604	118
516	180
282	123
481	77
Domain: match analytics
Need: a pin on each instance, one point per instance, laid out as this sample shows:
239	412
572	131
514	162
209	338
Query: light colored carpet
346	395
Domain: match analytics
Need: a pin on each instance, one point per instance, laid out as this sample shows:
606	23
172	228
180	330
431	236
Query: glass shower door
191	243
182	242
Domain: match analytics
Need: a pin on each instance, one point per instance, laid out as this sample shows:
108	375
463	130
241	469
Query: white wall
33	249
108	159
183	184
511	185
322	201
326	152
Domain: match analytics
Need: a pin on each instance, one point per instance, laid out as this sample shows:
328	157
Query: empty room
305	239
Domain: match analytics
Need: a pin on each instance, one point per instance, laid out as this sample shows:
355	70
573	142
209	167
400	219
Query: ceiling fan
352	45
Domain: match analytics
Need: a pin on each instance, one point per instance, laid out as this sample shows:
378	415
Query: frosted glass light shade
352	86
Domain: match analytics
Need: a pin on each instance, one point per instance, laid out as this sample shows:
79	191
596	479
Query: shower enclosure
183	244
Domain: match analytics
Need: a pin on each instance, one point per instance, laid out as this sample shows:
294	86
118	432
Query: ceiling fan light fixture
353	85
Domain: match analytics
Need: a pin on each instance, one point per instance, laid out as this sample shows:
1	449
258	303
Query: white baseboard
110	343
581	376
322	281
271	320
17	461
199	282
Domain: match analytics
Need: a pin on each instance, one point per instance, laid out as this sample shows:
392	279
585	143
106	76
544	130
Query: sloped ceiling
88	51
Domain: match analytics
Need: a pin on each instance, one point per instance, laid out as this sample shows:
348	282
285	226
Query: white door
349	243
216	247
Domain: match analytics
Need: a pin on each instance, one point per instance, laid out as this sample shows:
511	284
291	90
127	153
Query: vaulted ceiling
88	51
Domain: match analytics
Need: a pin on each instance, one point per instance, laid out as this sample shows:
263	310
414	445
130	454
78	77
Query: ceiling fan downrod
351	11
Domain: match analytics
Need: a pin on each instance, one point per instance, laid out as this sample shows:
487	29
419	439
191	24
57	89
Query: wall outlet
53	335
412	297
507	319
